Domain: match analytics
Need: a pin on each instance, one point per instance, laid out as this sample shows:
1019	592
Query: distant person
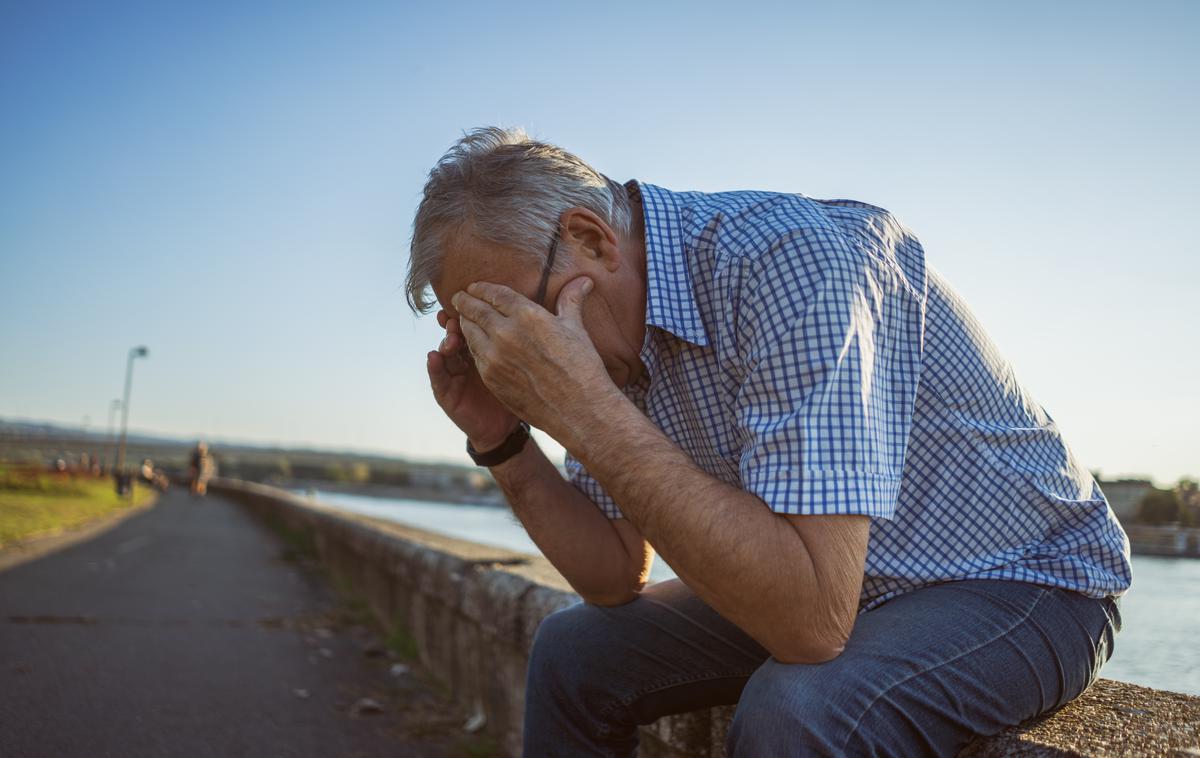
884	544
200	469
152	477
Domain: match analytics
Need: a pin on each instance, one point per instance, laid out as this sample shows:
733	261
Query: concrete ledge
1110	719
471	612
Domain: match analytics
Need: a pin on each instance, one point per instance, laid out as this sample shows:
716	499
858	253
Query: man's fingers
474	333
477	338
475	310
436	366
498	296
458	363
442	318
571	297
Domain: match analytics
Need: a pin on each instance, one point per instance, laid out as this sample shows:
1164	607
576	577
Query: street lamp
123	483
113	407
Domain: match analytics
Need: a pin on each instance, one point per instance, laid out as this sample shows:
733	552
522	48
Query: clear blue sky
233	184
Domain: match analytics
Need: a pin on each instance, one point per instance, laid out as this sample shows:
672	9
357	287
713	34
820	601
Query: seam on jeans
626	702
676	681
1045	591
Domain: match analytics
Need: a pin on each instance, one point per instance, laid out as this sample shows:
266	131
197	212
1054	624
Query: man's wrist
607	416
512	446
487	445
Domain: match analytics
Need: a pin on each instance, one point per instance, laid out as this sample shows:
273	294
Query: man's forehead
467	263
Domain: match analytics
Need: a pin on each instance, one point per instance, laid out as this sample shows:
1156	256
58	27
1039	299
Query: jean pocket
1113	606
1105	641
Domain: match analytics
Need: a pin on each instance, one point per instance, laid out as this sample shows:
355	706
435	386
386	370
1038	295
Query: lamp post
113	407
123	479
86	456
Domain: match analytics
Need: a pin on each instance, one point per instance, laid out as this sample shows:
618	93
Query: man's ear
591	237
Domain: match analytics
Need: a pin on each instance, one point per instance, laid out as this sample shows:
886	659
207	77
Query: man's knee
789	709
571	648
573	657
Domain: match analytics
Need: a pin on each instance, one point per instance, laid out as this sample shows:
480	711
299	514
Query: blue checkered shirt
804	351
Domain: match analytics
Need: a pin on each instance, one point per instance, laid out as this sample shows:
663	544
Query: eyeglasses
541	290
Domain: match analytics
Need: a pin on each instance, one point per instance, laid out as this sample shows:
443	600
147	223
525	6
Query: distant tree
1188	494
1159	507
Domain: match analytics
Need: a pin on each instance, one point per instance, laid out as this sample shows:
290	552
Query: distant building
436	477
1124	495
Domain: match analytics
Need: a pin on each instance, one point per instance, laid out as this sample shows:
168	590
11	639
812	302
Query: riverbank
1175	541
1167	541
430	494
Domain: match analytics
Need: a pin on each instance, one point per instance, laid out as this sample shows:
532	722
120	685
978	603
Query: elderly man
883	544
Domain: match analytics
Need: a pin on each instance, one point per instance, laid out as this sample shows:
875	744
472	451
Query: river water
1160	614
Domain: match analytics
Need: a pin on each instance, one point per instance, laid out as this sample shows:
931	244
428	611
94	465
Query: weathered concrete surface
1110	719
184	630
472	610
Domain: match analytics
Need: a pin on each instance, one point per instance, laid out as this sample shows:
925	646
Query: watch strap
512	445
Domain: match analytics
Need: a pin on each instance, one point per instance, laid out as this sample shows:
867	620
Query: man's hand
461	393
542	366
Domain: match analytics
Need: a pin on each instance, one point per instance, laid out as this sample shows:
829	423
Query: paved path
184	631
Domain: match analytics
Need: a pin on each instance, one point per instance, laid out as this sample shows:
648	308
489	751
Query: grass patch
355	610
401	642
299	544
343	585
36	504
479	746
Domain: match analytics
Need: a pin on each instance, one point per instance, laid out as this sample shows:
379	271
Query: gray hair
501	186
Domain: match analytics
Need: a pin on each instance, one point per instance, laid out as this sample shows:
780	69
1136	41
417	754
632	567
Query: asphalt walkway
187	630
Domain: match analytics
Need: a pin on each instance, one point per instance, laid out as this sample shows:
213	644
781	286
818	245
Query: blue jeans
922	674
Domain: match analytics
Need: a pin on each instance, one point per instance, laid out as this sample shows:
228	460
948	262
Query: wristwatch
512	445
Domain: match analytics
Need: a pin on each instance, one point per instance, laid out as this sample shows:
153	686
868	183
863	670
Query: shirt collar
670	294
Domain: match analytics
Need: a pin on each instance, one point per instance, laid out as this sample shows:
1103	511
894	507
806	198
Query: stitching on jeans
625	703
1045	591
684	680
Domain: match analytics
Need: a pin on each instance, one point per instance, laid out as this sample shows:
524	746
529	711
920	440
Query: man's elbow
609	600
629	586
807	647
809	653
619	597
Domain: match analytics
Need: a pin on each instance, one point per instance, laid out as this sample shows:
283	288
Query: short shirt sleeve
832	362
583	481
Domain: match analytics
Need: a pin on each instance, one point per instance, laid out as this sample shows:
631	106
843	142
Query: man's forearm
744	560
749	563
566	525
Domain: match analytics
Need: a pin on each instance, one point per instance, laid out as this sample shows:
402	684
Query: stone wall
471	612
